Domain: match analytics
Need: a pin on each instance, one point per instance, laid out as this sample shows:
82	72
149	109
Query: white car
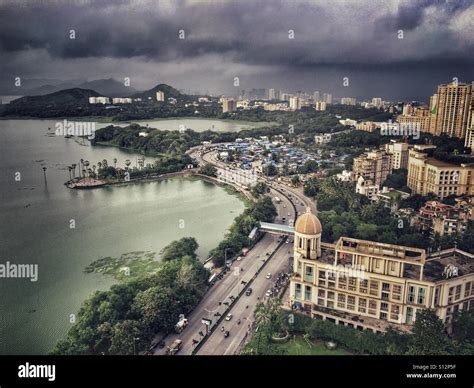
268	293
239	258
228	317
269	275
289	214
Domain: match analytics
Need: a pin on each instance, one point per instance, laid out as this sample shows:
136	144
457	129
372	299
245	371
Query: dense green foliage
427	338
398	180
259	189
126	318
209	170
237	238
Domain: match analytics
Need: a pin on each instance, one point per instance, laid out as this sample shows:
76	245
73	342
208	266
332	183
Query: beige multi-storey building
429	175
399	152
228	105
451	106
469	142
370	285
367	126
373	166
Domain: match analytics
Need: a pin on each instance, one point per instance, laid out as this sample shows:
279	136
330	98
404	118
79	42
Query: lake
110	221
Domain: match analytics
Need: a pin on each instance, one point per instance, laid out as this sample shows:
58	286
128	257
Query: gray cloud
223	38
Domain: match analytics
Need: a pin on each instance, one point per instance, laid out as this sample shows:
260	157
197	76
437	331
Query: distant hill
109	87
69	102
67	96
168	90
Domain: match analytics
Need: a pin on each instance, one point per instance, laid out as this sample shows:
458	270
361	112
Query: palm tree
80	165
127	163
104	162
44	174
266	314
86	165
115	162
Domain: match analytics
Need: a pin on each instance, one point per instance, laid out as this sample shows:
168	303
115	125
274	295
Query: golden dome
308	223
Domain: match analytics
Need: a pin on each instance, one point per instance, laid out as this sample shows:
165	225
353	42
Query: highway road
213	305
217	343
230	285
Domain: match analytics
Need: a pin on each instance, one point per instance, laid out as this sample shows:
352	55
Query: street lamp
134	347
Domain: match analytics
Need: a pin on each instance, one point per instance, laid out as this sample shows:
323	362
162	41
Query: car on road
289	214
269	293
249	291
228	317
226	333
284	205
239	258
269	275
174	347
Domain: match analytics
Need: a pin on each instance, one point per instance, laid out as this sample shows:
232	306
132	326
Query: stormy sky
249	39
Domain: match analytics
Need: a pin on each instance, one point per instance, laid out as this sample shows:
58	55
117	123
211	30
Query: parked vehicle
249	291
269	275
226	333
228	317
181	325
174	347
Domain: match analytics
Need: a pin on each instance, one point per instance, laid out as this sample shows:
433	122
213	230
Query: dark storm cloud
248	37
251	31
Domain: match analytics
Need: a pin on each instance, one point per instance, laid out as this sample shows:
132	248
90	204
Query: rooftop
436	263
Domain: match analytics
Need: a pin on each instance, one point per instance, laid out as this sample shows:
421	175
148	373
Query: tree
124	338
295	180
270	170
259	189
428	336
209	170
186	246
311	187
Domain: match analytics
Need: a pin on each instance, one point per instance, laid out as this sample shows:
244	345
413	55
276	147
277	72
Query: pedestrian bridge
277	228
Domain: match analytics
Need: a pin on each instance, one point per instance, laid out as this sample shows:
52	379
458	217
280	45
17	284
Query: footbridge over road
277	228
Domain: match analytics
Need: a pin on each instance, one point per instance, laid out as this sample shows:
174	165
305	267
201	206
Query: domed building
308	231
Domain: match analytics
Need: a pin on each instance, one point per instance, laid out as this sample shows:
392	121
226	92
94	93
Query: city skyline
407	49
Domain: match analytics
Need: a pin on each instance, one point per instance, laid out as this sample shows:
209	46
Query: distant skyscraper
377	102
160	96
348	101
452	109
320	105
327	98
295	103
228	105
316	97
271	94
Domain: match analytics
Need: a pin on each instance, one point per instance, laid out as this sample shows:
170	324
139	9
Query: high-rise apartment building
320	105
160	96
399	152
429	175
348	101
377	102
327	98
271	94
228	105
373	166
316	96
452	109
295	103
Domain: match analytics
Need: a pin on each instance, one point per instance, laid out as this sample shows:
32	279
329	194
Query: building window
298	291
374	287
321	293
330	294
421	295
467	289
308	274
342	283
411	294
363	286
436	296
322	274
372	307
330	304
386	286
341	301
457	295
409	315
396	292
307	292
352	284
321	283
